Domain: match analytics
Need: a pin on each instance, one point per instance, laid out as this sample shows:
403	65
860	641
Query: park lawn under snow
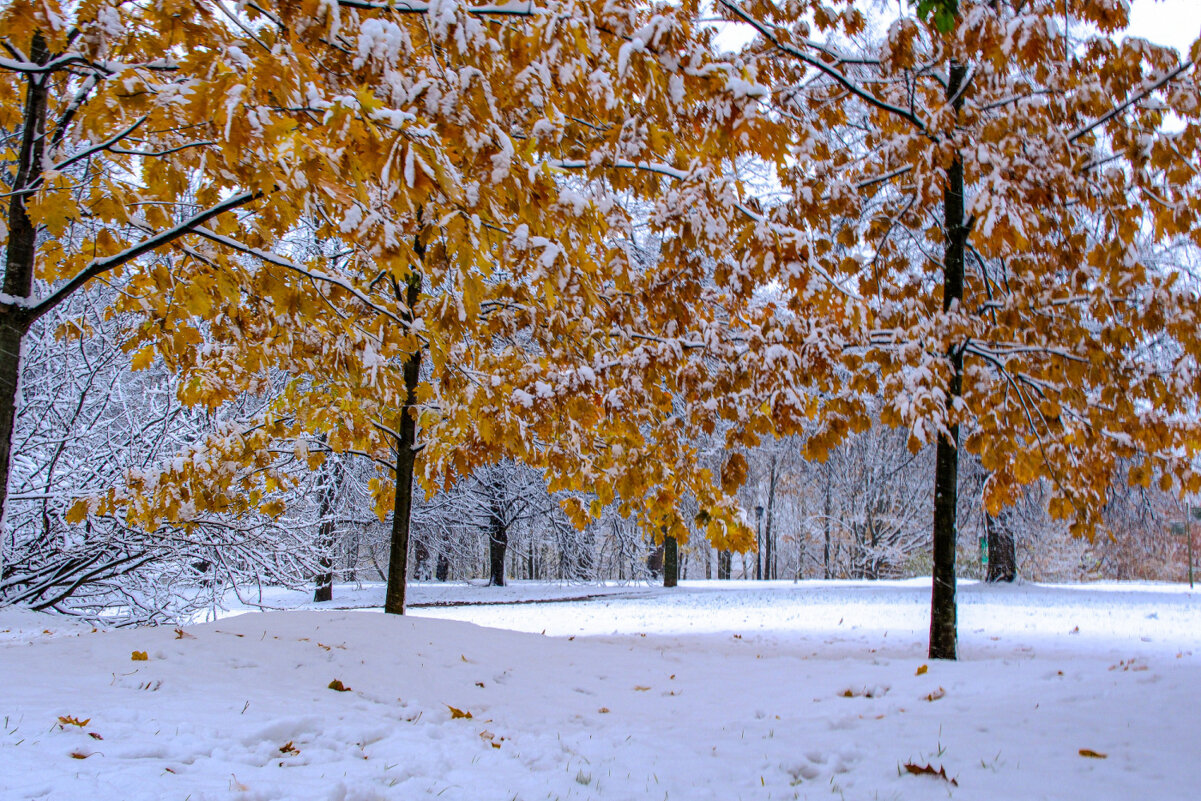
710	691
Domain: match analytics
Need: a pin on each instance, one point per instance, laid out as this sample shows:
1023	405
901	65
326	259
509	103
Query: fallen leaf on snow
604	710
922	669
1091	754
180	634
79	755
71	720
139	656
337	685
934	696
95	736
928	770
288	748
456	713
639	688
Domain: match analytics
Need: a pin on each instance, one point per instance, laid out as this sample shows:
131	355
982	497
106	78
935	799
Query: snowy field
711	691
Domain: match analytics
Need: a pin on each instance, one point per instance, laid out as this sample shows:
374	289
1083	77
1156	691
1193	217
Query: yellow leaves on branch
510	199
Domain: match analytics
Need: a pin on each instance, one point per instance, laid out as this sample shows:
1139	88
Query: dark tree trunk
21	251
826	525
723	565
943	612
421	560
406	459
442	568
671	562
498	544
769	534
654	562
1002	549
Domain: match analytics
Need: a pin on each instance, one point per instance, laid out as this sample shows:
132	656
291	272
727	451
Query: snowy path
708	692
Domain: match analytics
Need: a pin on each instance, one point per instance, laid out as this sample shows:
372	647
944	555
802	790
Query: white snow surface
714	690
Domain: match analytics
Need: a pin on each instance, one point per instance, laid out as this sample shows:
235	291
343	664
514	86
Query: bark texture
1002	548
406	459
943	610
20	252
671	562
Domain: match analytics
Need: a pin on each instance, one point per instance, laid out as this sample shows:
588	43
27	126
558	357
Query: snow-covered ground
711	691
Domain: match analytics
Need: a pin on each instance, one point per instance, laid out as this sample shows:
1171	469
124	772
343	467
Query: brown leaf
928	770
456	713
934	696
922	669
1091	754
639	688
180	634
604	710
95	736
71	720
337	685
79	755
139	656
288	748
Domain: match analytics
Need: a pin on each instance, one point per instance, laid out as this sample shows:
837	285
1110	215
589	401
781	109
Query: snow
715	690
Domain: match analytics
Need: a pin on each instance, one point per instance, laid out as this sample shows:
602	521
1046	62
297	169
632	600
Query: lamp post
758	543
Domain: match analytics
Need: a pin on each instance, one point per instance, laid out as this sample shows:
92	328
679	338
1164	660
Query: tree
977	198
136	132
476	291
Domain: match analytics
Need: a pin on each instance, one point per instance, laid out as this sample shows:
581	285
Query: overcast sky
1170	22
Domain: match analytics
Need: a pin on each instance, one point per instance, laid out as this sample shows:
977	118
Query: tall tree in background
980	197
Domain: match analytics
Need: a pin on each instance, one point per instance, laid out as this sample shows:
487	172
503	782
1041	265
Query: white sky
1171	22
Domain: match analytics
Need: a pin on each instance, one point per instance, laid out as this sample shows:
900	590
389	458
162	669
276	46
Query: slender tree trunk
442	567
1002	549
498	544
826	525
723	565
769	534
406	459
671	561
21	252
943	612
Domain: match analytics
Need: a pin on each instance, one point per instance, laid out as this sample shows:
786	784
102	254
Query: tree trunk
671	562
769	534
826	522
723	565
442	567
1002	549
421	560
943	612
406	459
21	252
498	544
325	533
